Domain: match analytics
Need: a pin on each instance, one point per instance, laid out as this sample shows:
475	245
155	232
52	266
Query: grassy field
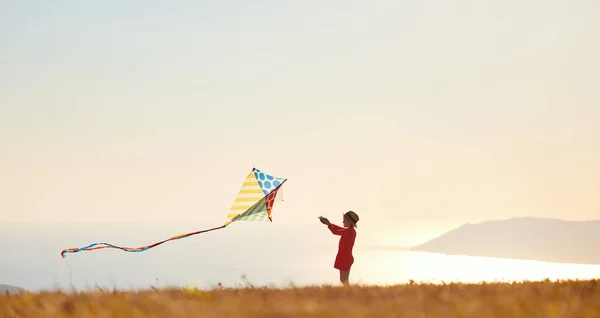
520	299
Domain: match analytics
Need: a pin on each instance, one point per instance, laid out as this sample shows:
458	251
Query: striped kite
254	202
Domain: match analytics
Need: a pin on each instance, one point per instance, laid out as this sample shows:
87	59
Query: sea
256	255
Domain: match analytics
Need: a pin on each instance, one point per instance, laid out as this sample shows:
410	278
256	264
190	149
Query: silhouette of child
344	258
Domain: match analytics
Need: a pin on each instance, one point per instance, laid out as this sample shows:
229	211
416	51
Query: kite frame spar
254	207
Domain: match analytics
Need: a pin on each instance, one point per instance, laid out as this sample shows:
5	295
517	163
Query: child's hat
353	217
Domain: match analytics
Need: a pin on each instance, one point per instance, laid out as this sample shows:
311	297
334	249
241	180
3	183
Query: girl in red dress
344	258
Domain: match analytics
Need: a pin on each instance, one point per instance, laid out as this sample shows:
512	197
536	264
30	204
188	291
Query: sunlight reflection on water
389	267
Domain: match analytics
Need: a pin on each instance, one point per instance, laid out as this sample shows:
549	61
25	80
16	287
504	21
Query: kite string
96	246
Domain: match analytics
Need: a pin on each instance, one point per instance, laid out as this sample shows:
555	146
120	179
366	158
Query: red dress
344	258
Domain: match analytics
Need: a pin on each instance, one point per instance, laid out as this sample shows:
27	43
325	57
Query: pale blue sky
420	110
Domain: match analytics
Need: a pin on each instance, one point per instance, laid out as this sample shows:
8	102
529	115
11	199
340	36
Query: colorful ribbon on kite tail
97	246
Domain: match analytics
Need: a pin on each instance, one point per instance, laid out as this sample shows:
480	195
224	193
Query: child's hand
324	221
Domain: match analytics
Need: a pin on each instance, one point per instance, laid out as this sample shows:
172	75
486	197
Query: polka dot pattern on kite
269	185
270	200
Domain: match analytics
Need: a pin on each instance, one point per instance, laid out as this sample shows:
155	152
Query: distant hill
10	289
549	240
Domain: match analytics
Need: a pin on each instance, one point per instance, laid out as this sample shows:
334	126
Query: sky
403	111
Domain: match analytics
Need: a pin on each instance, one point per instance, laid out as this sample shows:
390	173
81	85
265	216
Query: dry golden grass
570	299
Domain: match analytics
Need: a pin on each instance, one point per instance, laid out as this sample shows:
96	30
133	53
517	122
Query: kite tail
97	246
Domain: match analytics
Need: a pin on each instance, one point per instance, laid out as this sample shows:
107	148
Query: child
344	258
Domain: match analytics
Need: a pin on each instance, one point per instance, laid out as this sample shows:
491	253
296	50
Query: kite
254	202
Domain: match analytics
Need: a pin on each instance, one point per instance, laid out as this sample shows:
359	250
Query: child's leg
344	275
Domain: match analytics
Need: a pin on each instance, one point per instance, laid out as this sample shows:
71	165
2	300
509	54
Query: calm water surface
31	259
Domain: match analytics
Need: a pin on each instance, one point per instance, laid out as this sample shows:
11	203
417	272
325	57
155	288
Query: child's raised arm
336	230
